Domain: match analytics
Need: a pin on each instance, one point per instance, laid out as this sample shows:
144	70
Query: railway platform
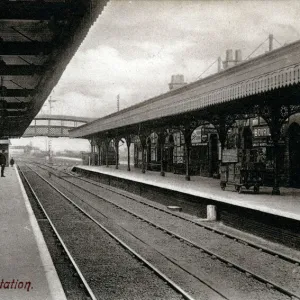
286	205
27	270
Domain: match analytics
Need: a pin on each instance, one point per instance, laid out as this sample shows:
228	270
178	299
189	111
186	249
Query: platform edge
54	284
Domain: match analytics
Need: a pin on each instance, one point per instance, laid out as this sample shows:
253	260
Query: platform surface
27	270
286	205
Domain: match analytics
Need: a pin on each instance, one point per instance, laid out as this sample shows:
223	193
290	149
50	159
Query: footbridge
54	125
266	87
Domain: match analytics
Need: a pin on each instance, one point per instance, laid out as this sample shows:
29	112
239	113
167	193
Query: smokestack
271	38
177	81
219	64
238	56
229	56
230	62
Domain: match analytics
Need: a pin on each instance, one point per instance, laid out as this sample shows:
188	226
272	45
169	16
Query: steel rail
140	257
207	227
86	285
174	262
212	253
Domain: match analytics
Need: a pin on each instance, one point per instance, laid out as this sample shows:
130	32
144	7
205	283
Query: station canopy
37	41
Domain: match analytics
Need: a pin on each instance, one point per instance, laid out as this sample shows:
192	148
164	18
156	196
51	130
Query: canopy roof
273	70
37	41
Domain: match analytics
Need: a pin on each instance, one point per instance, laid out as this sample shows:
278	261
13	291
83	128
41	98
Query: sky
135	46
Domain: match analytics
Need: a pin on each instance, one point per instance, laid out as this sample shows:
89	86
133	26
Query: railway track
179	291
84	284
204	225
63	170
213	254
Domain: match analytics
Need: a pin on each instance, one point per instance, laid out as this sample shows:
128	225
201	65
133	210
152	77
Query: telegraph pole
118	102
50	104
50	140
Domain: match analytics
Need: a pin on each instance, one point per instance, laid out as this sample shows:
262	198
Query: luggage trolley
241	169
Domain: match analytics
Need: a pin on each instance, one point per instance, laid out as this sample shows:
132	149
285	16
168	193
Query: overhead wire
245	58
257	48
277	41
207	68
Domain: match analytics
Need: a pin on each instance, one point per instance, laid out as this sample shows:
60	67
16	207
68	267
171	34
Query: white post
211	213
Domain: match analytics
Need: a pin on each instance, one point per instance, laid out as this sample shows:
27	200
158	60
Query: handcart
246	173
230	175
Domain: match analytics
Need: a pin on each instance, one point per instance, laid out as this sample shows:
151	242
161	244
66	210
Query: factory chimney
229	61
177	81
238	56
219	64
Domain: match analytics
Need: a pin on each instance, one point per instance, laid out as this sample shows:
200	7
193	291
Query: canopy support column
99	154
106	143
275	115
92	153
187	145
128	143
116	141
143	145
161	141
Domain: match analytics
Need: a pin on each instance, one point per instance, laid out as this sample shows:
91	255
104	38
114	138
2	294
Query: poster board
230	156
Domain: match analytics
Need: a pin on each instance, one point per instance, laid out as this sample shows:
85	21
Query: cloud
135	47
100	74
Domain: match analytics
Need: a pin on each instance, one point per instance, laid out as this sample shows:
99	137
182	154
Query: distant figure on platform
12	161
2	162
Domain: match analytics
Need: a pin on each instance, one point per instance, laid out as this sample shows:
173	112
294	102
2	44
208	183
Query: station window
153	138
196	136
255	121
153	153
178	155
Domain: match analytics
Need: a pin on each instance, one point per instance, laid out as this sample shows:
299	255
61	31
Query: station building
246	114
205	156
251	138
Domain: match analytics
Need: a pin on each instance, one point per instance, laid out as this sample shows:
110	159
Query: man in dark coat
2	162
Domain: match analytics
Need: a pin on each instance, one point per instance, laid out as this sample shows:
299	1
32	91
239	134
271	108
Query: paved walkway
286	205
26	268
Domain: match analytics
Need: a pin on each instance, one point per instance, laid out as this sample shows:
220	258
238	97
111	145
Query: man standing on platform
2	162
